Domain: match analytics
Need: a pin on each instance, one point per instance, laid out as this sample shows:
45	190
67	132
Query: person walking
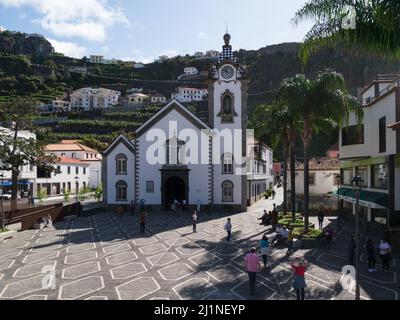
264	244
290	240
384	251
299	267
143	222
370	248
252	265
321	218
273	194
194	219
228	228
328	236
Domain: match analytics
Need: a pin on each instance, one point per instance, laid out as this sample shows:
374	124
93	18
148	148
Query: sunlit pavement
104	257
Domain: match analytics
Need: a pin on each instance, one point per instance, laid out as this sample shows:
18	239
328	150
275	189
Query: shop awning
20	182
24	182
370	199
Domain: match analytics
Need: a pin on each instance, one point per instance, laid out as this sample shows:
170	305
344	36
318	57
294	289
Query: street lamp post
357	183
76	195
339	211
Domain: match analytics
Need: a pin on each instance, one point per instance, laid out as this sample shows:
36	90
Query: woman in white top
194	218
384	252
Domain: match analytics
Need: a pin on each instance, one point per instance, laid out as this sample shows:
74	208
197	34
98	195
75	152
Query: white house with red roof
73	149
70	174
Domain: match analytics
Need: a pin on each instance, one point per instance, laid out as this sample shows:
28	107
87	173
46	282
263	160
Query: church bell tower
228	92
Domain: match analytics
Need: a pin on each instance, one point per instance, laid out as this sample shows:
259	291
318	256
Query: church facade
176	156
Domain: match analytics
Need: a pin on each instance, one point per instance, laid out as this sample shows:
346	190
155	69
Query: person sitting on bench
266	218
282	234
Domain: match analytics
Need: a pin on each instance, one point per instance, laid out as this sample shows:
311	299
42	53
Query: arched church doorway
174	189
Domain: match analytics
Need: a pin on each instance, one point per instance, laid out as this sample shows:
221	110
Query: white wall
95	173
64	177
384	107
324	181
198	175
112	178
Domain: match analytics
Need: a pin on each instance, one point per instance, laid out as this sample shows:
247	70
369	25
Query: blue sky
143	30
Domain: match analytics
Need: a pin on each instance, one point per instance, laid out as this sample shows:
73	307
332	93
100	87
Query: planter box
8	234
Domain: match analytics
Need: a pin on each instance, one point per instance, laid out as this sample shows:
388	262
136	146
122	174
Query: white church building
176	156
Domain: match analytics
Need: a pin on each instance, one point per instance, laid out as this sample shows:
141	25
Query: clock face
227	72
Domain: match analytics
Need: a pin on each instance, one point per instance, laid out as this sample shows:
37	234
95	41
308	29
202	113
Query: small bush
66	194
312	234
41	195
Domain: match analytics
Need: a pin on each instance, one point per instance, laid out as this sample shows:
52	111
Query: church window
227	105
121	191
227	191
227	165
121	164
149	186
227	112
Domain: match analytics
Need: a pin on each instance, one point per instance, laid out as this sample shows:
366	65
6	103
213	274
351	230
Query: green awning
369	197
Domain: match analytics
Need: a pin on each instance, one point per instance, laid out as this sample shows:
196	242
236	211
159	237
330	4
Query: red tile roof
70	161
68	147
324	163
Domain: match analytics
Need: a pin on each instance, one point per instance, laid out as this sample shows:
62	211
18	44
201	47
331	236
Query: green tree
17	151
66	194
277	123
83	193
98	193
321	103
50	63
376	29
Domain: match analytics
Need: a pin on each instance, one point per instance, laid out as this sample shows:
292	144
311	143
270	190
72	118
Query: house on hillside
158	98
94	98
138	98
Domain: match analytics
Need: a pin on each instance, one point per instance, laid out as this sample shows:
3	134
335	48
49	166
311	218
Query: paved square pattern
104	257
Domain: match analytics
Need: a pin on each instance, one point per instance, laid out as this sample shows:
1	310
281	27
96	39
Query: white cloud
202	35
88	19
68	48
141	59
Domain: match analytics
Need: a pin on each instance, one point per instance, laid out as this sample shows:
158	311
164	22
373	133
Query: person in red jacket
299	266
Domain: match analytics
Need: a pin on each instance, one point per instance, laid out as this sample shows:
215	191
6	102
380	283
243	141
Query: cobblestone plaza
103	257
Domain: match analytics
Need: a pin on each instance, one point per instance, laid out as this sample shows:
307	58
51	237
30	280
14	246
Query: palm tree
322	103
276	123
376	29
